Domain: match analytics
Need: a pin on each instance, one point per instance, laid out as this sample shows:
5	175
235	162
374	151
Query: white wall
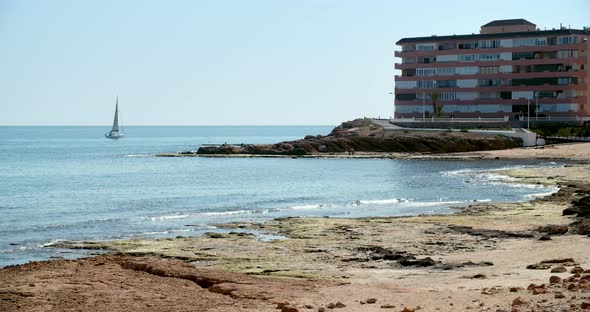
467	95
406	84
471	70
506	68
467	83
447	58
506	43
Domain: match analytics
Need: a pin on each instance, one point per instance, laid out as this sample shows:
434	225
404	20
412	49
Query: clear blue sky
224	62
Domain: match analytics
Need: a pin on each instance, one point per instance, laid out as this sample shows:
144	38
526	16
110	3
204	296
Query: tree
436	109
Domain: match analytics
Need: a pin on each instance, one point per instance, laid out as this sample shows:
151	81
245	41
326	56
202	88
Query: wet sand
474	260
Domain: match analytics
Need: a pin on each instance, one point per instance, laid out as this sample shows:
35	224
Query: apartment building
498	72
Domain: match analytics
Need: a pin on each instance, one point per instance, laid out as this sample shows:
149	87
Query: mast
116	120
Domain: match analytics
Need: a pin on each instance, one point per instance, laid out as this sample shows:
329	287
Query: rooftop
508	22
497	35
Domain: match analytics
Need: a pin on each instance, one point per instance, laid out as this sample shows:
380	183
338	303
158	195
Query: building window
448	96
425	84
489	56
489	82
486	44
446	70
446	83
529	42
567	40
425	71
425	47
467	58
488	70
564	81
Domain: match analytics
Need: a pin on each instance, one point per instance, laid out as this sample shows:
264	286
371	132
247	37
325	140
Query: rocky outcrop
581	208
362	135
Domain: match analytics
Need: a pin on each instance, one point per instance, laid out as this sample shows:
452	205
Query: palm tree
436	109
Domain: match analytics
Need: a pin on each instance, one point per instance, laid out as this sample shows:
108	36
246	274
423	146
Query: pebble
559	269
387	306
371	300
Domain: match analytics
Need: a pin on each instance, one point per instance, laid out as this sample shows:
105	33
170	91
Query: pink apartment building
495	73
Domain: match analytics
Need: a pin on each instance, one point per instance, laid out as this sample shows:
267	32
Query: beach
475	259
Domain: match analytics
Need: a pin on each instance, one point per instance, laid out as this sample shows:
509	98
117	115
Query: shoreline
557	151
469	260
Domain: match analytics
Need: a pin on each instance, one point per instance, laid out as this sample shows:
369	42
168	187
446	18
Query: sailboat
114	133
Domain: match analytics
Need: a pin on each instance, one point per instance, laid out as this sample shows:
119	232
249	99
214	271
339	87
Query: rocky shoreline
488	257
363	136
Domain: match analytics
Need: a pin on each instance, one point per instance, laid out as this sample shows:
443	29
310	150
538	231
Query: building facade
508	69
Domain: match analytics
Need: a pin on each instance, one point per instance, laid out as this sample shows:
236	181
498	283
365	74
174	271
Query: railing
450	119
549	118
568	138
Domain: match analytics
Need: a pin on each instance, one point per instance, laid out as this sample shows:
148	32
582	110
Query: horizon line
180	125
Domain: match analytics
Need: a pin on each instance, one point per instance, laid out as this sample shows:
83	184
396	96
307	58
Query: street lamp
528	118
423	106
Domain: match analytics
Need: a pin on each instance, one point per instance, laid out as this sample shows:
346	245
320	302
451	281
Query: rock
585	305
570	211
411	261
331	305
553	229
559	295
572	287
538	266
577	270
308	306
583	205
289	309
387	306
545	238
559	260
581	227
371	300
489	233
339	305
321	309
407	309
555	280
281	305
539	290
380	253
517	301
363	135
515	289
215	235
559	269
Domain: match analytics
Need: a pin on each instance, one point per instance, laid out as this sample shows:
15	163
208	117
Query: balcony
546	48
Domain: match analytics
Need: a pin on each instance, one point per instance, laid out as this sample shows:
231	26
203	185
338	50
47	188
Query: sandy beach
486	257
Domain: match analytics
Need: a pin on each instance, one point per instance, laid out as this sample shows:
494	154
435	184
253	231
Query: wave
169	217
138	155
382	201
539	195
163	232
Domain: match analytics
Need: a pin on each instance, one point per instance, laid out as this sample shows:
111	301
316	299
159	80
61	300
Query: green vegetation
564	131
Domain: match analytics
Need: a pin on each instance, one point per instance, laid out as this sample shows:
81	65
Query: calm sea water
70	183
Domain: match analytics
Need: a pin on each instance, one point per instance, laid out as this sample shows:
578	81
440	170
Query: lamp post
528	118
423	106
536	106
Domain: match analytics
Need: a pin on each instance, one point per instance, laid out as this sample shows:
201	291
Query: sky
222	62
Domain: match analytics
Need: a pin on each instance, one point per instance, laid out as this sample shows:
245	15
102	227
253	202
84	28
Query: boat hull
113	136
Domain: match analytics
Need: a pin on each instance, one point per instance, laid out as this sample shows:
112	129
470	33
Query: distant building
496	72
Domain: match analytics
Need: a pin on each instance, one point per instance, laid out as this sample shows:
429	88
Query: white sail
114	133
116	120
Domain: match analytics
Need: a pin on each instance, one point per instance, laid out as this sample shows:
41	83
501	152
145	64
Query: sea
72	184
